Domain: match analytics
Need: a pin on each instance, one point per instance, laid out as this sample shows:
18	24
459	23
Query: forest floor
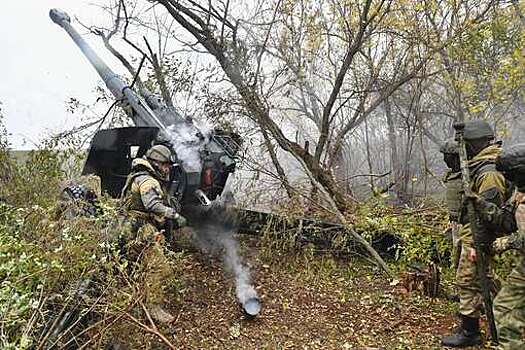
310	301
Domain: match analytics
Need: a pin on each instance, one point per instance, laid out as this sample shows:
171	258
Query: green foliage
420	229
40	259
43	256
492	60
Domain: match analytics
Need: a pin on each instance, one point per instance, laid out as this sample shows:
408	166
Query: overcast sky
41	68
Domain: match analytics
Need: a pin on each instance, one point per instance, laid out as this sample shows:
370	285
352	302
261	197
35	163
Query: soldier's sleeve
491	186
520	218
496	218
151	196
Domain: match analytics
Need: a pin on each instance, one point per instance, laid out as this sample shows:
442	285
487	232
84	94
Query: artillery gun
198	178
195	184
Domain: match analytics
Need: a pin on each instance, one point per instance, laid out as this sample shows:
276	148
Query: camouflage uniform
489	183
453	194
453	198
79	198
147	207
509	305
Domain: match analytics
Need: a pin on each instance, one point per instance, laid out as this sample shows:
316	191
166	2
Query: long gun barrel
143	115
480	246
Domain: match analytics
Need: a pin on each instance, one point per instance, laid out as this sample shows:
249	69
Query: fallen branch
343	220
153	329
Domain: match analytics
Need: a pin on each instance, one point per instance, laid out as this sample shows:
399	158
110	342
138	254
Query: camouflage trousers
468	285
152	268
509	310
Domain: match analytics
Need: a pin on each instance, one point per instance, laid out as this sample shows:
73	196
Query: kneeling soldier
147	204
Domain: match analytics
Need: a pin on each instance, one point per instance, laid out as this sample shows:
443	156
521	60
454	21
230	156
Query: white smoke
188	140
232	261
212	238
220	240
187	143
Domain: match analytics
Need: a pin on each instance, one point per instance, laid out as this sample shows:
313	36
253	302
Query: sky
41	68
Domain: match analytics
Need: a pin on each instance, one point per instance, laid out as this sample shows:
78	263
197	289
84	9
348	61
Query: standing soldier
146	202
509	305
488	183
453	195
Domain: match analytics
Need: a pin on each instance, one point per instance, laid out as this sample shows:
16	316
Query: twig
151	330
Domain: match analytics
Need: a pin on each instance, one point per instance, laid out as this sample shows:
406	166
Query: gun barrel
143	115
114	83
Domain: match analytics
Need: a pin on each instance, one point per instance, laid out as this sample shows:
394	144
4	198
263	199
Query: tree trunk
395	162
277	164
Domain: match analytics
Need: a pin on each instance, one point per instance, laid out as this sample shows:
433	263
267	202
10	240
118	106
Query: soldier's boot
159	314
467	334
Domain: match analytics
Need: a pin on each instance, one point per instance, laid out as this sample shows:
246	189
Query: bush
44	258
420	230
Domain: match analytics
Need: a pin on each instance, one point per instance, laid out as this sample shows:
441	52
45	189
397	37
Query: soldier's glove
180	220
158	237
176	217
481	204
503	244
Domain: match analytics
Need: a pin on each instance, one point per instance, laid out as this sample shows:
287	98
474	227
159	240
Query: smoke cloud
219	239
186	141
224	243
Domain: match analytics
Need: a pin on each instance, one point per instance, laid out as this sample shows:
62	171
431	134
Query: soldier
79	198
146	203
509	305
453	195
489	184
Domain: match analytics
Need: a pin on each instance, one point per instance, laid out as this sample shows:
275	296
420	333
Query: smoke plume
215	235
216	238
224	243
187	140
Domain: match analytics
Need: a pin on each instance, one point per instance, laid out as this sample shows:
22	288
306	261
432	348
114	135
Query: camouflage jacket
143	195
488	183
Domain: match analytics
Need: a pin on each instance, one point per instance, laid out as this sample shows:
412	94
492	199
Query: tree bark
395	162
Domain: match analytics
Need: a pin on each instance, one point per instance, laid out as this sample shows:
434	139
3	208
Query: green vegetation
310	298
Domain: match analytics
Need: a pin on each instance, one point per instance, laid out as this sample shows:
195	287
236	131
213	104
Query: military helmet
450	146
477	129
512	161
159	153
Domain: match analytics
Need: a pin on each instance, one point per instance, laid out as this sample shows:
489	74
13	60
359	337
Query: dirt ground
309	301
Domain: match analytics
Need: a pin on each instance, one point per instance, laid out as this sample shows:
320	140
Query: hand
180	220
478	201
176	217
170	213
158	237
472	256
